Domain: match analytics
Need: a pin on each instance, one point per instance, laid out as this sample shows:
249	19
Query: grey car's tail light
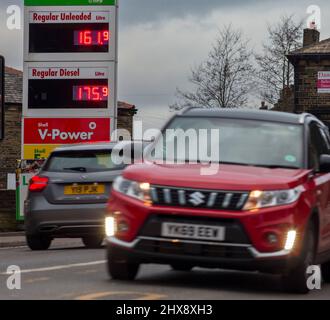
38	184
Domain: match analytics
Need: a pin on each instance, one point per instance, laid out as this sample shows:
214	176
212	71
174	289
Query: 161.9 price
91	37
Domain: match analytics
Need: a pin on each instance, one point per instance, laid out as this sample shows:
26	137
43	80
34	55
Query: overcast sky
161	40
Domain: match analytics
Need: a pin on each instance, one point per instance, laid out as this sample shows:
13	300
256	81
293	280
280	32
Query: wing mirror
325	163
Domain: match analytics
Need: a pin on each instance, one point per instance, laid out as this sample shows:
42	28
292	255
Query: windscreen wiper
279	167
236	163
275	166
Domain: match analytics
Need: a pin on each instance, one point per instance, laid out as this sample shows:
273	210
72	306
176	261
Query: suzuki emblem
197	198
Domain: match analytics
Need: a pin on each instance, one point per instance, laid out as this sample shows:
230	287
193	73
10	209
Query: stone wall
10	150
10	147
7	211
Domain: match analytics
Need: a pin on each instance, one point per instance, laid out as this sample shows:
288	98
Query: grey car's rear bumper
74	220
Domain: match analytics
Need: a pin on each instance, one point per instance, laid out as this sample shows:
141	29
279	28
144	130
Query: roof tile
322	47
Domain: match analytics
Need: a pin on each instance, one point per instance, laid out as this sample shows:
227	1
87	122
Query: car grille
198	198
191	249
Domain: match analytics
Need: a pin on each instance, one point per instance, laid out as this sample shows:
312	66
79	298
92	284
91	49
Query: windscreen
236	141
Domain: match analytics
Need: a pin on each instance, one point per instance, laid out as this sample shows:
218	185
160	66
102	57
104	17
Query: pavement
69	271
12	239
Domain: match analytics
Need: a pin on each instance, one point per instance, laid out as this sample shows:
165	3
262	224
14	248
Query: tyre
93	242
38	242
326	272
181	267
295	281
121	269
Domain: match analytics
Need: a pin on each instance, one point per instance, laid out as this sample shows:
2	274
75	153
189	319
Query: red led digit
88	92
99	40
96	94
106	36
80	94
105	92
88	37
81	37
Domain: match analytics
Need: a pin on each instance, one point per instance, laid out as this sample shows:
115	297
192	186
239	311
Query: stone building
307	95
10	147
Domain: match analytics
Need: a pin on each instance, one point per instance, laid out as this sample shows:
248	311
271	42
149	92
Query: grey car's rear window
82	161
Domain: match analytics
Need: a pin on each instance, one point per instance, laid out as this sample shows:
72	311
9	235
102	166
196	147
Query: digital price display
68	88
68	94
70	32
69	38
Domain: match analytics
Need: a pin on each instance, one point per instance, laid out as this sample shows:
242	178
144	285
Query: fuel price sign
86	33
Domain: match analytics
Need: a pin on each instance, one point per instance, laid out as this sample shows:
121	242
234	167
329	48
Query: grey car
68	197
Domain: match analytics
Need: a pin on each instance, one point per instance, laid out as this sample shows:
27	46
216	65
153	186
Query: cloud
140	11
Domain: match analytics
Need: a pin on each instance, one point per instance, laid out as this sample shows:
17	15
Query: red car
266	208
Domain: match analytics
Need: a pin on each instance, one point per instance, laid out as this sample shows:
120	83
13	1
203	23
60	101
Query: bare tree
275	71
224	80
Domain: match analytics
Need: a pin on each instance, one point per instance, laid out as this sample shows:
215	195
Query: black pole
2	95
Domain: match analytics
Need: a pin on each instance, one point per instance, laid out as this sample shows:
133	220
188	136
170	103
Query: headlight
264	199
137	190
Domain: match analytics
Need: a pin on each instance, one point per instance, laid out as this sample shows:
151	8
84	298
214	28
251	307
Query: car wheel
93	242
38	242
326	272
181	267
295	281
121	269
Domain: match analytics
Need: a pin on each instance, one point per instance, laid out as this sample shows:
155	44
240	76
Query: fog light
110	224
272	238
290	240
122	227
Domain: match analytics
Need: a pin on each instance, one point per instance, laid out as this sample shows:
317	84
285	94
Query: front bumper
200	254
244	247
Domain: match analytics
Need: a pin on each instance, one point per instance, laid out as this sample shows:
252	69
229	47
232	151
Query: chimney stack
311	36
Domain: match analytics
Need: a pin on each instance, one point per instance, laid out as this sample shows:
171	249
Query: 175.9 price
90	93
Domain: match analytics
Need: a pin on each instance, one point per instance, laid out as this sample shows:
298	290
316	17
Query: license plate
84	189
193	231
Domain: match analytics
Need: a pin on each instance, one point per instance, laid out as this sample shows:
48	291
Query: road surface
69	271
